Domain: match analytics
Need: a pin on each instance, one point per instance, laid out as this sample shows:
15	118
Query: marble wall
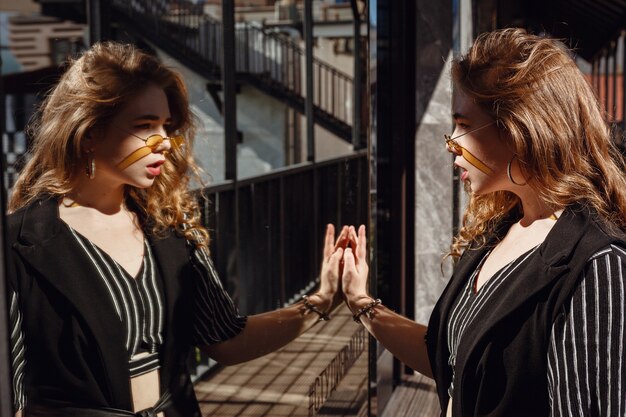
433	164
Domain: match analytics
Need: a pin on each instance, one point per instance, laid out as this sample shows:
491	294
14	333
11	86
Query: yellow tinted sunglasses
152	144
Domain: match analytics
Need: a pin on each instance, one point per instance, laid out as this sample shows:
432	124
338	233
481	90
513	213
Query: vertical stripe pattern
216	317
138	301
469	304
18	361
586	371
139	305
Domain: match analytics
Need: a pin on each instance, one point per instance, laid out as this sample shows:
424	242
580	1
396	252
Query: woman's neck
96	194
534	209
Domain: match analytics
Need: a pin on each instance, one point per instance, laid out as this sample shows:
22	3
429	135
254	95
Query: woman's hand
355	270
329	295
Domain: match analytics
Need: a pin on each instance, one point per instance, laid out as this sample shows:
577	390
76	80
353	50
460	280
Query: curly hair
88	95
533	89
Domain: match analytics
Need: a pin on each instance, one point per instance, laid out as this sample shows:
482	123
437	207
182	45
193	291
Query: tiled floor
277	384
415	397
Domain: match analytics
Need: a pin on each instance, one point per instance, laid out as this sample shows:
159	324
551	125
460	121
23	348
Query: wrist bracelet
368	310
311	307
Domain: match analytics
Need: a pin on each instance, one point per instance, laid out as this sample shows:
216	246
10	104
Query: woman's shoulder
40	212
614	251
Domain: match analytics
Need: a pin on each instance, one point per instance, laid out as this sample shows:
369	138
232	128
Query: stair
269	61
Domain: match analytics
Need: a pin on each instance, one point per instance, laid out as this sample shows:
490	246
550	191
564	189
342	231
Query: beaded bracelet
368	310
311	307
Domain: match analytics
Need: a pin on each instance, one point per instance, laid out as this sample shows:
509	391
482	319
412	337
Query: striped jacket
502	362
75	353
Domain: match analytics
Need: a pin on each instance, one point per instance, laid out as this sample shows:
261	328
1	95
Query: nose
166	145
452	146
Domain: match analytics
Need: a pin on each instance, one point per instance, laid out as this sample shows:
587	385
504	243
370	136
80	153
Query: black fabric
501	366
42	411
75	356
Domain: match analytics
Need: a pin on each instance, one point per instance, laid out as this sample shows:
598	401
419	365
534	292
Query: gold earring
90	168
508	172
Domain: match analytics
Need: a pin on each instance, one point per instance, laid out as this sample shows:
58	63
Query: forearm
404	338
266	332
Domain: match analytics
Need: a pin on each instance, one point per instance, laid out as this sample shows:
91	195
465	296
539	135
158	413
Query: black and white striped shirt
138	302
470	302
586	364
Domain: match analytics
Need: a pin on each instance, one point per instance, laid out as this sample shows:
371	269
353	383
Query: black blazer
75	353
501	366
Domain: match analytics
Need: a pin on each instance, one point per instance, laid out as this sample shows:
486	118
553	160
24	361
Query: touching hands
355	270
344	269
332	265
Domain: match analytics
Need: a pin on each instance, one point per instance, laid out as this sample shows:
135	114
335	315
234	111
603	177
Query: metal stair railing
270	61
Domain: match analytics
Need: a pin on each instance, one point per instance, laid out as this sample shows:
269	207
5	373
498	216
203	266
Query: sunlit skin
145	114
476	131
153	142
453	146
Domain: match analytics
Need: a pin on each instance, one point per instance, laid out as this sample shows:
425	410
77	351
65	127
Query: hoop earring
508	172
90	168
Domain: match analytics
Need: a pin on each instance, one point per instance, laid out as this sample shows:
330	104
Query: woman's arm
266	332
404	338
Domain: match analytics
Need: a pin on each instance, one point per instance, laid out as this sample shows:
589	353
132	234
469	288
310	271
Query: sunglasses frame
454	145
153	141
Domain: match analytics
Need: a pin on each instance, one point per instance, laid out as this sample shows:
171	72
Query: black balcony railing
267	232
271	61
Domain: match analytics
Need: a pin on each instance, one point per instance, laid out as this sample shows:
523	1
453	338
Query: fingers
342	239
329	240
348	238
362	243
349	263
352	238
335	258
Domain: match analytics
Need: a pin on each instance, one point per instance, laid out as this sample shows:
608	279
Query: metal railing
267	232
269	60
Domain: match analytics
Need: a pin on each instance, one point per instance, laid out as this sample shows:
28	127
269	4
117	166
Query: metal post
228	84
5	376
623	82
308	57
614	109
98	20
606	81
594	73
357	91
230	118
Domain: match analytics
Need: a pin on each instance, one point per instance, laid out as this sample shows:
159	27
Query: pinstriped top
138	302
586	365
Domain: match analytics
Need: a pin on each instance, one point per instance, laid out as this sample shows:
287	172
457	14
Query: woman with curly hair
532	321
110	280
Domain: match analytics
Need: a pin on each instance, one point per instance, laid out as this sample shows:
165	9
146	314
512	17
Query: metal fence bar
299	219
614	79
606	81
623	36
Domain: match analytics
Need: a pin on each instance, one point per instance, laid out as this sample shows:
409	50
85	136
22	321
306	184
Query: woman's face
145	114
485	166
